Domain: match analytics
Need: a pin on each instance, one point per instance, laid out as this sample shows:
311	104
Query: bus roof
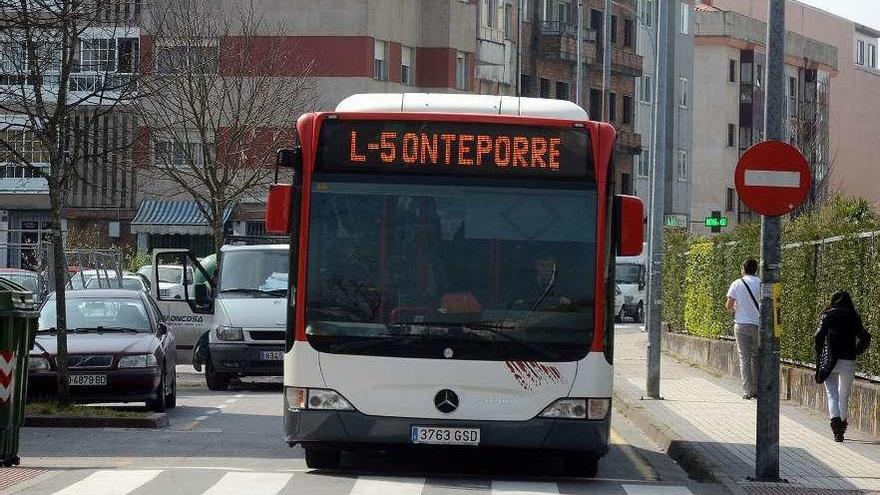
463	103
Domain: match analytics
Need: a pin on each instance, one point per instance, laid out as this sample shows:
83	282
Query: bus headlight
318	399
572	408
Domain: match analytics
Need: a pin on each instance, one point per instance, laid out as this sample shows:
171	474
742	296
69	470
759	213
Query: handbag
825	360
863	340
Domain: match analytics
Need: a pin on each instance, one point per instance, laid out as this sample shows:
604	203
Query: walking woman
841	337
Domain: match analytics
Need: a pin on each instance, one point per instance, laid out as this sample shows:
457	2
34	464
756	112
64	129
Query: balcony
629	141
625	62
558	40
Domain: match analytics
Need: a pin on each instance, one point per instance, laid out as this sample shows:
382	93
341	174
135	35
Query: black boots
838	427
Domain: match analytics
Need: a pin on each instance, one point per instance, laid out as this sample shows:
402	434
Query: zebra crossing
217	482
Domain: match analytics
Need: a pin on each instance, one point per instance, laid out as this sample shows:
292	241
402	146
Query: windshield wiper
494	327
48	330
103	329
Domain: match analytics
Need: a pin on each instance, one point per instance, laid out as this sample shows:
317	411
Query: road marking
524	488
385	486
221	406
645	470
201	418
249	484
239	396
655	490
213	411
118	482
230	401
772	178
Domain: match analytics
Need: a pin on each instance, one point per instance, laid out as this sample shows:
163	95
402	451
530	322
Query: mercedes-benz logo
446	401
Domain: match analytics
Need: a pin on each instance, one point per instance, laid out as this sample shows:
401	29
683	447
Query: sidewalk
710	429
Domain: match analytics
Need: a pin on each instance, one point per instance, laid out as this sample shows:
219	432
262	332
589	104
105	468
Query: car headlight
229	333
37	363
138	361
321	399
577	409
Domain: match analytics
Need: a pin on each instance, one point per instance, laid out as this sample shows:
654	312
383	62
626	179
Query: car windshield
79	280
628	273
254	273
446	264
26	280
102	283
89	313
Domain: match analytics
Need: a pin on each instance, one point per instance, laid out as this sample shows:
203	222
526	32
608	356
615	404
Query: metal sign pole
767	426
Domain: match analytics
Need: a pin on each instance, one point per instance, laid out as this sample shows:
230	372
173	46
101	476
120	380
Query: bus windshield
467	269
628	273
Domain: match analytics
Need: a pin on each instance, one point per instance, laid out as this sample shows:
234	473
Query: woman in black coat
841	337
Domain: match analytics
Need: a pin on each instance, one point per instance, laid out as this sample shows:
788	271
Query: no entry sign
772	178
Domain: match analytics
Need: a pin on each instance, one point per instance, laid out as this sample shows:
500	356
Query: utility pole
606	62
579	71
767	430
662	144
519	40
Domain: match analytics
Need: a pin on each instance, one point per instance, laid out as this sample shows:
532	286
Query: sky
865	12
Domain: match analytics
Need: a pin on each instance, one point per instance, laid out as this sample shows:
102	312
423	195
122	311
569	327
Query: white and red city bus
452	276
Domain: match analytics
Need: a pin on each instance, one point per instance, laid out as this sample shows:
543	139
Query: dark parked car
119	351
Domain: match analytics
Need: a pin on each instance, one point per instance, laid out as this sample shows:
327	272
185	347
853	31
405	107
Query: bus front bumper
355	430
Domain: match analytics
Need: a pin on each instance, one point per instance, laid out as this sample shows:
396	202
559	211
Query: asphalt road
229	443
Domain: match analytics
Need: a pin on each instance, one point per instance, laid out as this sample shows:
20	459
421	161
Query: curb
155	420
681	451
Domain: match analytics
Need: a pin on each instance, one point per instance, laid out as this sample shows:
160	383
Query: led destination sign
457	148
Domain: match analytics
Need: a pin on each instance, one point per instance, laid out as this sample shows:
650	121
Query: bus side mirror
631	231
278	209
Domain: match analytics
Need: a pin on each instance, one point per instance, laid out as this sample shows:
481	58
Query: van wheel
216	381
158	404
581	464
322	458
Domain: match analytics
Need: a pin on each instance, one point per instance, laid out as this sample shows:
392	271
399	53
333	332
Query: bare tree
228	91
809	131
63	76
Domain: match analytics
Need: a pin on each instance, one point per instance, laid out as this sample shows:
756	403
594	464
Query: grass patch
52	409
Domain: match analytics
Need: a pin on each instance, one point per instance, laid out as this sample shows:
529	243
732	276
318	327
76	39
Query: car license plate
271	355
445	436
87	380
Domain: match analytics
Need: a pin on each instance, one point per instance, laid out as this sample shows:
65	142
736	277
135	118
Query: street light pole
580	41
767	426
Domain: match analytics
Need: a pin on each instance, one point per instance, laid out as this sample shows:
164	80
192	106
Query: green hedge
827	250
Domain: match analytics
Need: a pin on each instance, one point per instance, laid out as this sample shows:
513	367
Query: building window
177	154
407	65
685	17
792	96
380	57
25	145
98	55
731	135
525	85
683	92
128	54
491	13
545	88
627	109
595	104
646	89
612	107
682	165
628	34
613	29
625	184
508	22
648	13
731	71
644	163
759	75
872	56
860	52
597	23
461	72
731	199
561	90
525	9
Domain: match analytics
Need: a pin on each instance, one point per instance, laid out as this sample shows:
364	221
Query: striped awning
163	217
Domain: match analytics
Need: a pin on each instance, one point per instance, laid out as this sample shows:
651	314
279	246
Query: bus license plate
87	380
445	436
271	355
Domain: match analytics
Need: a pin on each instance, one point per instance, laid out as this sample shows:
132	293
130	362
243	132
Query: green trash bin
18	329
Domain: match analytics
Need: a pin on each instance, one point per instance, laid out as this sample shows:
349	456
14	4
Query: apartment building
729	101
855	100
681	168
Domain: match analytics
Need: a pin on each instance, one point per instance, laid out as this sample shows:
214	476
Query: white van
630	275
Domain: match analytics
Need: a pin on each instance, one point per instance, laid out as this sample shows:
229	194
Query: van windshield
628	273
254	273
